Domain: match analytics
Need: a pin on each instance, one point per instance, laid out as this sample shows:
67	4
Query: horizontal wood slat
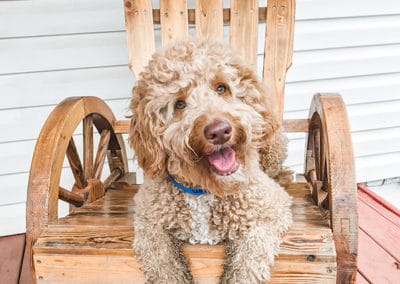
100	235
226	15
289	125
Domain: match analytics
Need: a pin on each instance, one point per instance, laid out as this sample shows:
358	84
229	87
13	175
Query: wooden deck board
100	235
379	245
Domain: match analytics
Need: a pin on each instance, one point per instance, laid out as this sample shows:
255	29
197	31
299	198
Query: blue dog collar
190	190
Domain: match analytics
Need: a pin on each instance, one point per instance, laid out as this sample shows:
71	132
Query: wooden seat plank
101	234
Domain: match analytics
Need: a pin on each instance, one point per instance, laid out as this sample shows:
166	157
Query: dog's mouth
223	161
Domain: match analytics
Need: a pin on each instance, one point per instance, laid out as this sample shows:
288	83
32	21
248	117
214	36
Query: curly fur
246	209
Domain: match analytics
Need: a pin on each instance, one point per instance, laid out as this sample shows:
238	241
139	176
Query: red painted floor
379	239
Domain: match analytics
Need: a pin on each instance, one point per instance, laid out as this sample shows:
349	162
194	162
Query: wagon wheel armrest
329	167
55	145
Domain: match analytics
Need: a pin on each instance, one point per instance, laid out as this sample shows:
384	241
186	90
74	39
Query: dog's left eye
180	104
221	89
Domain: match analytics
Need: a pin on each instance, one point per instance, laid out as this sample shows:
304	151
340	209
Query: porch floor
378	240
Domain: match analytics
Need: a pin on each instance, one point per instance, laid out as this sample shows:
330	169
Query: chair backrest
147	26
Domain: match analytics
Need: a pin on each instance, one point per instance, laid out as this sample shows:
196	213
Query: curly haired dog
204	132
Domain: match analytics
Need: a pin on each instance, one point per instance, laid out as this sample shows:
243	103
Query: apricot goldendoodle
205	133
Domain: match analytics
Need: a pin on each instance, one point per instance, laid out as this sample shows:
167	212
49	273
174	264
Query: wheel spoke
317	150
70	197
88	147
75	163
322	158
101	153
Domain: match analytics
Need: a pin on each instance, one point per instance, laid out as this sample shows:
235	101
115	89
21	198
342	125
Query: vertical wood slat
173	20
244	29
139	33
278	47
210	19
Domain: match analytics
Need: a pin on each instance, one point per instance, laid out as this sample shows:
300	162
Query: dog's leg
248	259
160	255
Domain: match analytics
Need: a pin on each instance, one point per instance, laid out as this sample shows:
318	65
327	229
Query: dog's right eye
180	104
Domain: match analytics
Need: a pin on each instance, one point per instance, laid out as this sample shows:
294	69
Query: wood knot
311	258
128	4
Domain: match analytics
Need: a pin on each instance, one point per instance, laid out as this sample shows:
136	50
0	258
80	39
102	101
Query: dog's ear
271	144
143	136
259	98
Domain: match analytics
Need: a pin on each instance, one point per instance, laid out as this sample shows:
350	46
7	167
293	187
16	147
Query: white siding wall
50	50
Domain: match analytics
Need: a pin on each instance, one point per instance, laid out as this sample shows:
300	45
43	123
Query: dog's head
200	114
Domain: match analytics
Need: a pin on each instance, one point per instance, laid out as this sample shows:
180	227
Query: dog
205	133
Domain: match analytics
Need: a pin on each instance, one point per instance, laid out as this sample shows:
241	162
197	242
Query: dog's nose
218	132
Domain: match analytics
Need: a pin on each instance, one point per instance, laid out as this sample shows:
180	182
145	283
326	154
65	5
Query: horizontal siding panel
366	143
354	90
323	64
317	9
12	219
346	32
46	88
377	167
367	168
49	17
25	123
365	116
374	116
18	155
15	191
344	62
62	52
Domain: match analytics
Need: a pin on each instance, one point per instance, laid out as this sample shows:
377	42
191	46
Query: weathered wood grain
209	19
101	234
70	197
330	169
173	20
244	27
139	29
88	147
75	164
226	14
278	47
101	153
48	158
295	125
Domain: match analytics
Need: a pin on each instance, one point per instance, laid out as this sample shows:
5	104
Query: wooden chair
93	243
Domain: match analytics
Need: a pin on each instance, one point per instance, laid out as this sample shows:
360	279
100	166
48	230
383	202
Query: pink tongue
223	161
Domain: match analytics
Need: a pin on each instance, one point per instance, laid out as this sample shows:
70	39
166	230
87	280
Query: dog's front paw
246	274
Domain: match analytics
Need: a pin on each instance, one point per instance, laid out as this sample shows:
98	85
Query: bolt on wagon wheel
57	154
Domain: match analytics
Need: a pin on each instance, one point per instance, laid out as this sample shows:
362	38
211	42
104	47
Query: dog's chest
200	209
